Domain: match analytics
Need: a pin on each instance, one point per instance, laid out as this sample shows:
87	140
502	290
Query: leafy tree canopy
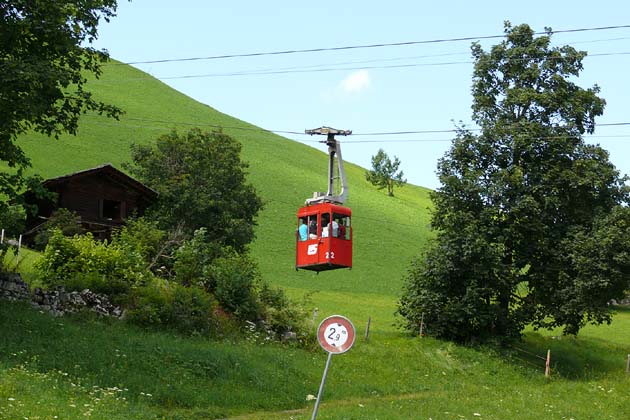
385	173
530	221
43	74
200	179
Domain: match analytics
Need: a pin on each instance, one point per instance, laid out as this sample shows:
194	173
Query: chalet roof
108	170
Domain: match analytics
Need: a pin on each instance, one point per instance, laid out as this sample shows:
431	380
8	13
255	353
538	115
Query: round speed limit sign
336	334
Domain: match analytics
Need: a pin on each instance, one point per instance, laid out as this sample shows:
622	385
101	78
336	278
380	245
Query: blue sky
420	87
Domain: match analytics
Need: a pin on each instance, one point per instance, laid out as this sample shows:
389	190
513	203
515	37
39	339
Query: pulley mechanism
334	149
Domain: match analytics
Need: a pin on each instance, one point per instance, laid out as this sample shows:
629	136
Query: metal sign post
336	335
321	387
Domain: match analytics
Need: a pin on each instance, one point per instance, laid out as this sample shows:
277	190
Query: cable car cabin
324	237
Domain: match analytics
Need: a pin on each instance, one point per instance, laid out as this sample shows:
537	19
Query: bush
184	309
236	277
68	222
150	246
98	283
282	315
81	261
194	258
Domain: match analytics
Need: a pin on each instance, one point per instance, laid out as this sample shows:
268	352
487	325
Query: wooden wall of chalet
93	196
103	197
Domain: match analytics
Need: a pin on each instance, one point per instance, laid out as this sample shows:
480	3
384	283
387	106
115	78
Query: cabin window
337	226
312	227
340	226
302	230
110	209
325	225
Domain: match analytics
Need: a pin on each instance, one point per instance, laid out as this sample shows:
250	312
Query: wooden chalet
102	196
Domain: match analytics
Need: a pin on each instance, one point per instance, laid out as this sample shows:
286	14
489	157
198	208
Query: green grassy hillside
388	232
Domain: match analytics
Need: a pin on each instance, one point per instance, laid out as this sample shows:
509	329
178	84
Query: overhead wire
350	142
320	69
316	68
327	67
346	142
331	69
388	141
415	57
363	46
301	133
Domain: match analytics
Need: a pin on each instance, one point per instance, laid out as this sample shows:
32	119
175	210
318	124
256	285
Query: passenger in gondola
326	225
342	229
333	228
303	229
312	229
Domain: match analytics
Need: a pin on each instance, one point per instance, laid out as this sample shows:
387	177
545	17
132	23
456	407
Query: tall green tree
45	59
518	201
201	182
385	173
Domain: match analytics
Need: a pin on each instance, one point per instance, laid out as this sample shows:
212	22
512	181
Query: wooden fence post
422	325
547	369
19	245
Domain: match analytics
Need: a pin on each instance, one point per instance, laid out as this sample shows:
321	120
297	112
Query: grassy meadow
82	367
79	366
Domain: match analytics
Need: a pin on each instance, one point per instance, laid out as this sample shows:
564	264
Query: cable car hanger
334	148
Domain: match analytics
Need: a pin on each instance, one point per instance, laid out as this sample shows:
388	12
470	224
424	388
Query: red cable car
324	233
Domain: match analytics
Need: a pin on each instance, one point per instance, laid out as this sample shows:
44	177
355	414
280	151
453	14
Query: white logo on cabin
312	249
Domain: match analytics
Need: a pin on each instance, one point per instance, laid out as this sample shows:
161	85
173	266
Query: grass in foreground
80	367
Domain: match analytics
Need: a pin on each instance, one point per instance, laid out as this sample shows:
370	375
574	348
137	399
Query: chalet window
110	209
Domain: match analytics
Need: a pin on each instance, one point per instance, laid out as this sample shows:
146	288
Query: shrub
80	261
193	259
282	315
165	304
236	277
98	283
151	246
67	221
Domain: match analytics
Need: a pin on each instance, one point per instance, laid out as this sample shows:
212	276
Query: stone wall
624	302
56	301
12	287
59	302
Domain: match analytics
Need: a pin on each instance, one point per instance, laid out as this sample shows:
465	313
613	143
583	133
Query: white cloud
355	82
352	85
